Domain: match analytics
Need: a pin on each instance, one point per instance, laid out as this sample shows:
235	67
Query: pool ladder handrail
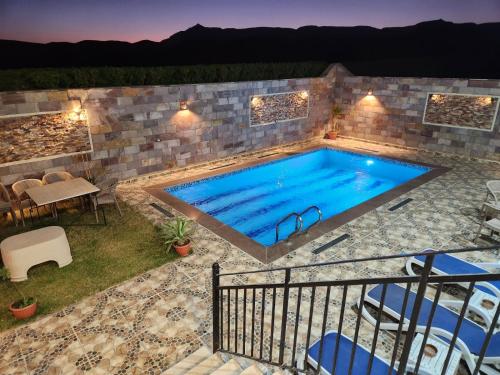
299	222
298	225
320	216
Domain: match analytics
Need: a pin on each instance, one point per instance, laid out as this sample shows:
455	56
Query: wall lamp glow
78	114
304	94
488	100
83	115
370	92
255	101
183	105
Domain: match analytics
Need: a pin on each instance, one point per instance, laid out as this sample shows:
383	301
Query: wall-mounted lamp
83	115
304	94
370	91
183	105
73	116
77	114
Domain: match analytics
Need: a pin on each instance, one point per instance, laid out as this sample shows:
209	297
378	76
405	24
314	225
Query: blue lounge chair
470	337
361	357
446	264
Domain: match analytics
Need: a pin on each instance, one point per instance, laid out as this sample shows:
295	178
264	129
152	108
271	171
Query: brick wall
395	111
137	130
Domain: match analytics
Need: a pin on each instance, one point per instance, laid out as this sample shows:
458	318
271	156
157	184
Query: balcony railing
276	322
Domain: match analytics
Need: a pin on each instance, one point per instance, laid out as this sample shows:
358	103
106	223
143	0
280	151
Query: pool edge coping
267	254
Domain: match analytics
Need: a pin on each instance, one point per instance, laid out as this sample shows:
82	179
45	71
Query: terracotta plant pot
183	250
23	312
331	135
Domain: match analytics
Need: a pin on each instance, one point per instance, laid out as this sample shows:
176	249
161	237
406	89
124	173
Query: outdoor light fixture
370	91
73	116
83	115
304	94
183	105
77	114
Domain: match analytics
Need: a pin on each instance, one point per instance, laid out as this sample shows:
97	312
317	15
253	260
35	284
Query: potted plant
177	233
335	113
23	308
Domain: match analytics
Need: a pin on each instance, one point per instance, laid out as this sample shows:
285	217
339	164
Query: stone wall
394	112
137	130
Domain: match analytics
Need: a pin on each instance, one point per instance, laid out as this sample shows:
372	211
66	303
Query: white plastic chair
23	200
107	195
493	190
492	223
6	204
50	178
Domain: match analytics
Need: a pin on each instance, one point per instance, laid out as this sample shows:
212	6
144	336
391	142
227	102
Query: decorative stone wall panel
468	111
42	136
273	108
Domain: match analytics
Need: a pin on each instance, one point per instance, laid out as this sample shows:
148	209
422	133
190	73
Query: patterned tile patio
146	324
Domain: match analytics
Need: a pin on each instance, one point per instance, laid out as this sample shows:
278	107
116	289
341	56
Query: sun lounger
471	335
447	264
361	357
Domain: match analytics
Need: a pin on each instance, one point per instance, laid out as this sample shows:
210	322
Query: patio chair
50	178
493	189
447	264
361	355
492	197
489	222
6	204
107	195
23	200
470	337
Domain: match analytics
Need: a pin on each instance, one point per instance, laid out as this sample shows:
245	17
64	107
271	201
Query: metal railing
275	322
299	222
318	211
298	225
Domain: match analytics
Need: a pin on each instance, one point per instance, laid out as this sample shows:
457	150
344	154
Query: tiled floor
148	323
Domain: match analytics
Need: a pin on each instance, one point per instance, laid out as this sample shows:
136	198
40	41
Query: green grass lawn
102	256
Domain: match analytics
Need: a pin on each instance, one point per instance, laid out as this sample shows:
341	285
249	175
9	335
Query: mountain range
434	49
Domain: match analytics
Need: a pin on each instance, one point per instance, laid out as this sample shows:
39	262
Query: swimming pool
253	200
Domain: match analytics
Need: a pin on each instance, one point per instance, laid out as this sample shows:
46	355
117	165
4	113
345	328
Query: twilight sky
133	20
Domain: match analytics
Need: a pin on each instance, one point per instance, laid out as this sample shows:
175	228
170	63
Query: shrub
86	77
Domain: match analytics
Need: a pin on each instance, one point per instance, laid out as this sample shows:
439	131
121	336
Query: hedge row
62	78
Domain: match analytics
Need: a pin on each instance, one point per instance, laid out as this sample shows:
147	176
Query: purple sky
133	20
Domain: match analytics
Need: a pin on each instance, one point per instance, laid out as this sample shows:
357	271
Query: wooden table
60	191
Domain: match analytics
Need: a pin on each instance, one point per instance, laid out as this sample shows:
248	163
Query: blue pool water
253	200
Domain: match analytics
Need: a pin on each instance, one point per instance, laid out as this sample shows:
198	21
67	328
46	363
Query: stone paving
147	324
